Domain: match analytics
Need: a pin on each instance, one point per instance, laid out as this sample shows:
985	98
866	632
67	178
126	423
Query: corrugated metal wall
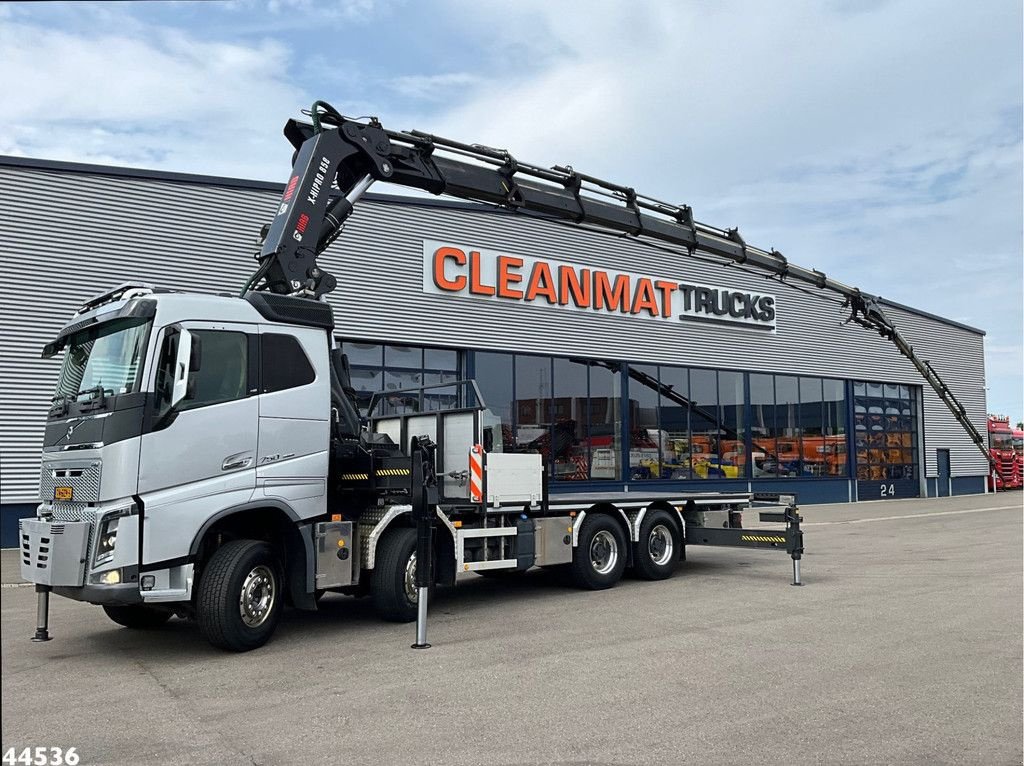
66	235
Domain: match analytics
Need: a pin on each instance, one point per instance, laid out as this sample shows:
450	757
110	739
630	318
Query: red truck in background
1007	471
1018	449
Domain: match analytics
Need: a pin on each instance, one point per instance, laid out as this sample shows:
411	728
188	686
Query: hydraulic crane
335	151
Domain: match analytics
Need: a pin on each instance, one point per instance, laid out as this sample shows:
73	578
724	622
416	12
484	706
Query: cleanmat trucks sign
461	270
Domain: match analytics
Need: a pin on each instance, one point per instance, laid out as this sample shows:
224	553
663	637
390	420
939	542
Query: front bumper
124	594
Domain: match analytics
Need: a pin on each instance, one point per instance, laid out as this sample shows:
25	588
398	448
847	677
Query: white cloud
154	97
434	87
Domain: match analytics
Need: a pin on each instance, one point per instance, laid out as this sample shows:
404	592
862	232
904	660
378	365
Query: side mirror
182	367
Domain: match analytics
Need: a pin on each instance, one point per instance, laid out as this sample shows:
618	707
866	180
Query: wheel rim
411	591
660	545
259	593
604	552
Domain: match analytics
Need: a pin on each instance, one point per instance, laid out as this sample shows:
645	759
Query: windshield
1018	443
1000	441
108	356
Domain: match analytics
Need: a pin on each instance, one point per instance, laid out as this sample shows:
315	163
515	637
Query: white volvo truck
204	456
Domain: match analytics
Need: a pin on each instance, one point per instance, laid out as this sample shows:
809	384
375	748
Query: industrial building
627	365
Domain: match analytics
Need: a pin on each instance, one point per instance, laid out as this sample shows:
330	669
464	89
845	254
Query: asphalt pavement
904	647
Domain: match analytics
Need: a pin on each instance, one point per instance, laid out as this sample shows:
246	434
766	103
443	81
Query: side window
283	363
219	369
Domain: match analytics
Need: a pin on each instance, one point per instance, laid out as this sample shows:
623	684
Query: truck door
294	419
199	455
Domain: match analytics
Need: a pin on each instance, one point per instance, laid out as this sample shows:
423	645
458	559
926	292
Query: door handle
233	462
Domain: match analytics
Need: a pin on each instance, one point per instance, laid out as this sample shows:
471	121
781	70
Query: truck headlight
107	539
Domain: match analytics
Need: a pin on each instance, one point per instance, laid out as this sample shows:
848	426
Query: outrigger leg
42	613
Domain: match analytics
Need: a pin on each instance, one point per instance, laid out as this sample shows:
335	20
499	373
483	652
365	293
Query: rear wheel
239	600
393	585
657	551
137	616
599	559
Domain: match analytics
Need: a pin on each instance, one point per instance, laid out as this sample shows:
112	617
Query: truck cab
175	413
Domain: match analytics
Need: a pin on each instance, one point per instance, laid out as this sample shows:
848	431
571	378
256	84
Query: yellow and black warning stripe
392	472
355	476
762	539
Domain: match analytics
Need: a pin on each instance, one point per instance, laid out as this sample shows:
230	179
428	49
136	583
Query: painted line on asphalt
912	516
15	584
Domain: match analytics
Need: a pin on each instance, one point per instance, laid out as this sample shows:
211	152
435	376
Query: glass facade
377	368
885	431
566	409
600	420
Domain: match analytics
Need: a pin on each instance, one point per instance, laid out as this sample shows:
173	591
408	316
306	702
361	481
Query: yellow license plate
63	493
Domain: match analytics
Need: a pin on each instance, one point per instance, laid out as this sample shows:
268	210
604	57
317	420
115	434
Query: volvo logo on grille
71	430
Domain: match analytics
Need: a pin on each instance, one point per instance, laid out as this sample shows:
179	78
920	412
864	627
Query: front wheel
599	559
393	583
137	616
239	600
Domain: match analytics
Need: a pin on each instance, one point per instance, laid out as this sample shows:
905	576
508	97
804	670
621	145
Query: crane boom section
334	151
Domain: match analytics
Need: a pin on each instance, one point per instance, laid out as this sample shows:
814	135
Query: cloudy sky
879	141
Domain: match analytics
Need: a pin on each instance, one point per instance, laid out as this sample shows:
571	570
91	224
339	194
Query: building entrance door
944	482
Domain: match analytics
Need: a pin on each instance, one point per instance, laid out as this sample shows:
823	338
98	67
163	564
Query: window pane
365	354
762	426
834	395
704	424
645	440
406	357
366	382
283	363
787	424
493	374
443	398
397	401
533	404
440	359
569	450
730	407
674	418
811	427
223	368
605	421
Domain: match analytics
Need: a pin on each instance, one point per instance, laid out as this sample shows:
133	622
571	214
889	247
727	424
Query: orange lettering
614	298
643	298
475	285
667	288
452	253
541	283
577	284
505	278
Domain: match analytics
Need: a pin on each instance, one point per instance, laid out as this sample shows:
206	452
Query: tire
656	553
393	585
137	616
599	559
240	596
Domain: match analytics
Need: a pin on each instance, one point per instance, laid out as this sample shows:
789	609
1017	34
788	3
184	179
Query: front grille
83	476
